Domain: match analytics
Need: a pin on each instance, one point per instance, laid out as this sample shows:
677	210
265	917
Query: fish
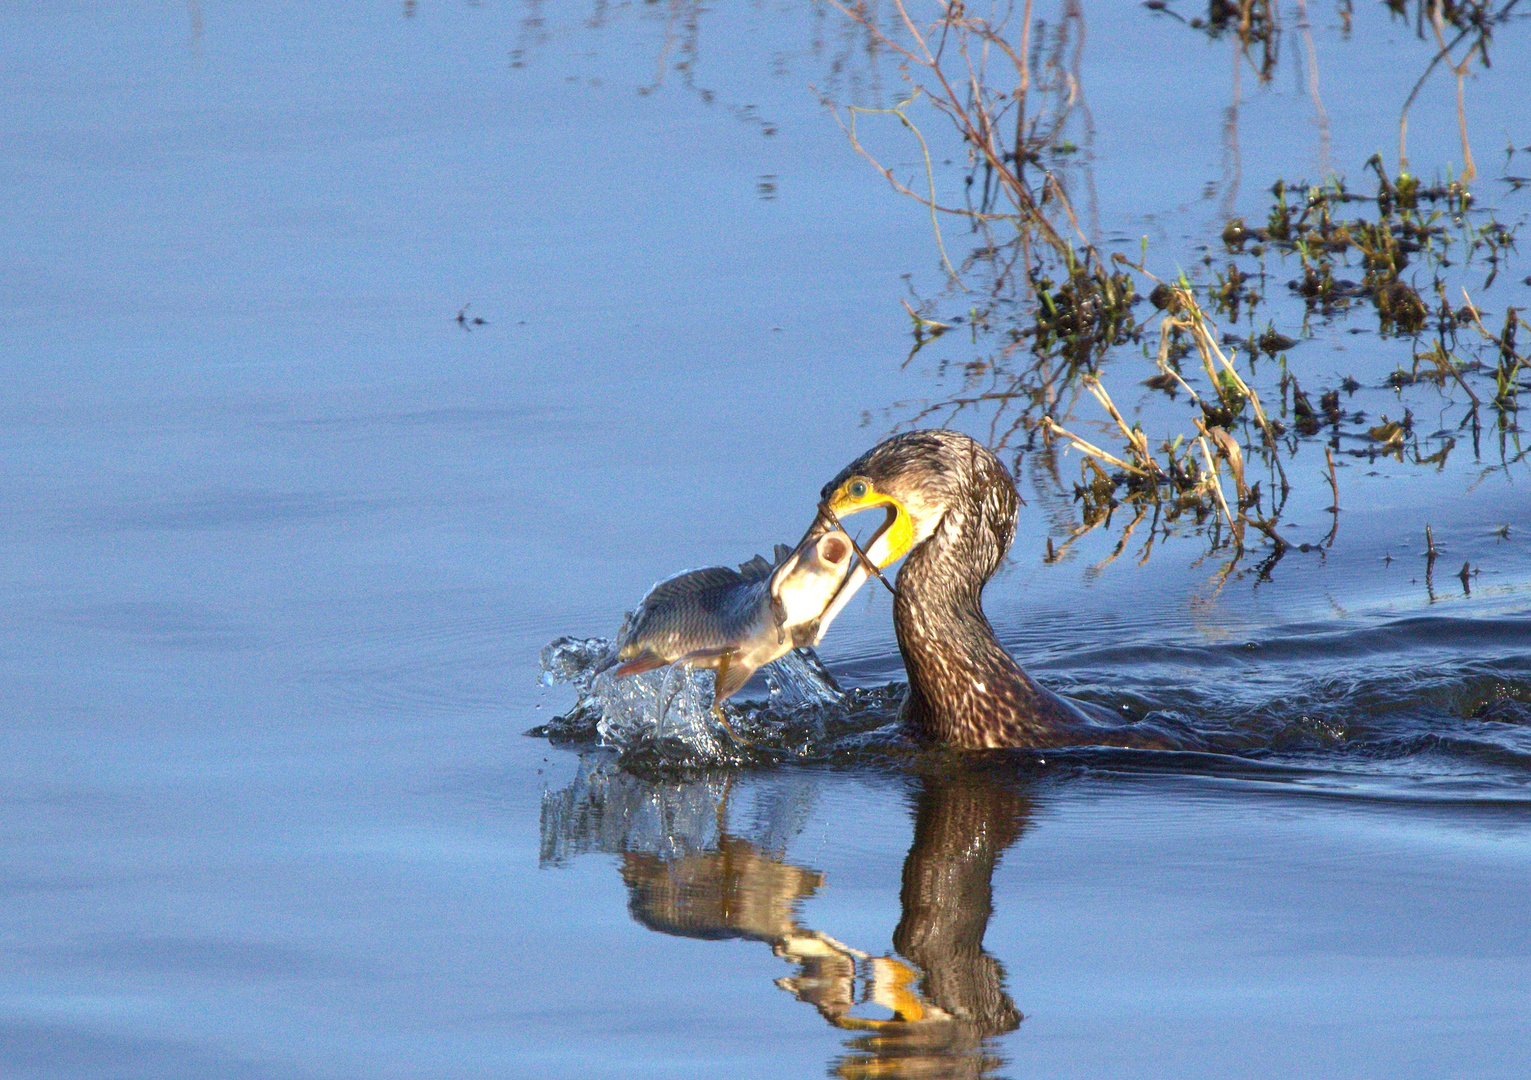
865	563
737	621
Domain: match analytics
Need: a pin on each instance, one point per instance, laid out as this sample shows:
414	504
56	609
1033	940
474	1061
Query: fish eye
858	489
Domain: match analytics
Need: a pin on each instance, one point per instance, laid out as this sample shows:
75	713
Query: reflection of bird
946	996
951	506
962	824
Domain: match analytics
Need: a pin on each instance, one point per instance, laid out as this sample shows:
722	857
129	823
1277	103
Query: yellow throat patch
857	494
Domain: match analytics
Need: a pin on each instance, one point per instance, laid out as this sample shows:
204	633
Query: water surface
283	539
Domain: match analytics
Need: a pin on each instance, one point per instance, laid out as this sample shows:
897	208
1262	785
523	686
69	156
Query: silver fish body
698	611
735	621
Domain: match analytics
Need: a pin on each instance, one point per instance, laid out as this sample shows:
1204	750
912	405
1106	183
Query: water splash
667	713
799	678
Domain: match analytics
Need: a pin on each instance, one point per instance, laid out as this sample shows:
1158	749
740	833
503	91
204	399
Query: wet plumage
952	508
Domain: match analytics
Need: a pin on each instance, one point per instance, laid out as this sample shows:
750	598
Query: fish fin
645	661
732	676
756	568
739	740
688	583
782	551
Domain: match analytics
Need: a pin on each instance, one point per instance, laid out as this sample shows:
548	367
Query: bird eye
858	489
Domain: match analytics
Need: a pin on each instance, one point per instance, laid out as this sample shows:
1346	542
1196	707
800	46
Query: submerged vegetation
1225	410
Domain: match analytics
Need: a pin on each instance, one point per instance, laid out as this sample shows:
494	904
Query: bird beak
896	534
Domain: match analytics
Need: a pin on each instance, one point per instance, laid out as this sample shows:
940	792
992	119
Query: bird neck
942	583
965	689
954	661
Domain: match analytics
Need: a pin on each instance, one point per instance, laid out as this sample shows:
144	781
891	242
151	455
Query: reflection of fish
735	621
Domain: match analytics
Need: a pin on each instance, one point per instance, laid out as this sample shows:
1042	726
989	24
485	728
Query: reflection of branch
968	110
1460	70
1334	508
1121	544
1023	84
930	176
1310	61
1233	165
194	39
1469	170
901	188
662	60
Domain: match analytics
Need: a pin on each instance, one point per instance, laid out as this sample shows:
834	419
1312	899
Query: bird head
918	478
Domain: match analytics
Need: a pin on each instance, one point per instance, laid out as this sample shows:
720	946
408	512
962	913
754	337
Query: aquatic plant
1123	380
1052	320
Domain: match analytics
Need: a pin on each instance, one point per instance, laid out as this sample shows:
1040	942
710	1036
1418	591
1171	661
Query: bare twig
1228	447
1217	487
1135	438
1094	451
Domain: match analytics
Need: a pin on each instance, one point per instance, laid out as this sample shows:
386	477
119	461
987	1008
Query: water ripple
1432	708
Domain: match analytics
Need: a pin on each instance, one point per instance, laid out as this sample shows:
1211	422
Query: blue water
281	541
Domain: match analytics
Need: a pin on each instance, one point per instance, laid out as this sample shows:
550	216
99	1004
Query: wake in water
1428	708
664	717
